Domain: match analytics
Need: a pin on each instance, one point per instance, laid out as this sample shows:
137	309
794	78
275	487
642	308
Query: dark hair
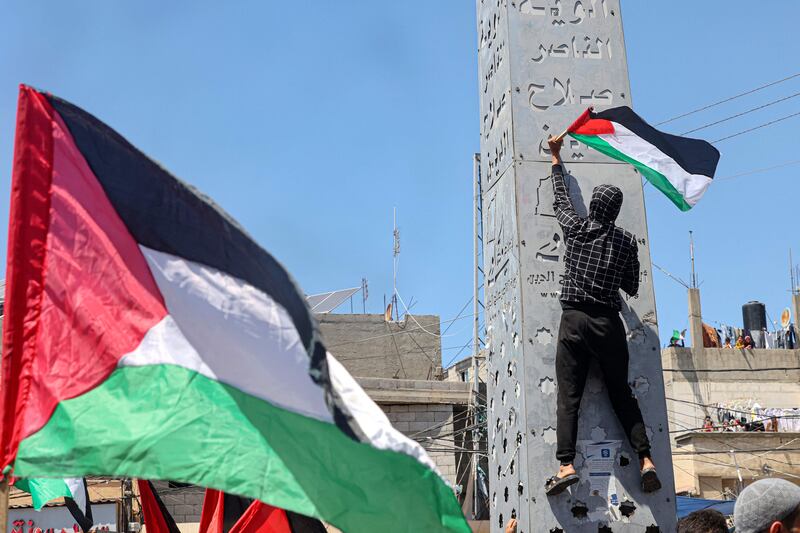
703	521
789	520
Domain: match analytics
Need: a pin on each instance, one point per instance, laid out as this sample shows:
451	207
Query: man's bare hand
511	526
555	149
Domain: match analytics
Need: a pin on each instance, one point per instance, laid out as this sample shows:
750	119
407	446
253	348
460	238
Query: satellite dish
786	318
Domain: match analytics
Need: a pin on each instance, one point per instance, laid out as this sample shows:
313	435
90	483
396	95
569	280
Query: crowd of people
712	338
769	505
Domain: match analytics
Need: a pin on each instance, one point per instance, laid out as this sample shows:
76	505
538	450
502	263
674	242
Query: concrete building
462	370
368	346
399	365
717	464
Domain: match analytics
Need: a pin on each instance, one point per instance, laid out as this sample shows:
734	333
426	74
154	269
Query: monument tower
541	63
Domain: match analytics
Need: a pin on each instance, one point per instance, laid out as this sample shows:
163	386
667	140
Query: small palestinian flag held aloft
147	335
74	491
680	167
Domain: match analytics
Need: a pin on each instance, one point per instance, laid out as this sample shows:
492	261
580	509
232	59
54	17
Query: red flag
222	514
156	517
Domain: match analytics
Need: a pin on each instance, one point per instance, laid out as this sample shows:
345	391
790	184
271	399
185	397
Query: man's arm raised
565	212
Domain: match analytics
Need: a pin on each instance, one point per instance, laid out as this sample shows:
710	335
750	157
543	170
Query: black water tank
754	316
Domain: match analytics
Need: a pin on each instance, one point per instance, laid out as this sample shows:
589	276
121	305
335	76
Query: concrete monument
541	63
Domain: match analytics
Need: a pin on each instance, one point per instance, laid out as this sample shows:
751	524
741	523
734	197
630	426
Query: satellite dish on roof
786	318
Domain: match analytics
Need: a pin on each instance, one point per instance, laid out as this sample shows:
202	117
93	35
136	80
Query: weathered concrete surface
390	391
368	346
462	370
695	380
695	318
541	63
714	473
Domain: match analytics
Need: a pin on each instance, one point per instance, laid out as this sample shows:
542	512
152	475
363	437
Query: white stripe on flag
231	332
78	490
216	319
690	186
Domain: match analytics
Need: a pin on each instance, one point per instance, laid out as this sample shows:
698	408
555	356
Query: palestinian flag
73	490
147	335
680	167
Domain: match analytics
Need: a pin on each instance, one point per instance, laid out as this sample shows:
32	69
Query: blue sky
310	121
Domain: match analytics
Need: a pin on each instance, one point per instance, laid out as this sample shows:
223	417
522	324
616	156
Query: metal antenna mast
395	255
691	253
793	288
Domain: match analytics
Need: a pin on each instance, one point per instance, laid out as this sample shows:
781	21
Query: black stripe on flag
165	214
695	156
84	520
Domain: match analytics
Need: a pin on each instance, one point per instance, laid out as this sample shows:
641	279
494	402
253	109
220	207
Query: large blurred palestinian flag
147	335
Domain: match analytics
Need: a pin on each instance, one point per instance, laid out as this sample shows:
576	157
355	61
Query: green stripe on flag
167	422
43	490
658	180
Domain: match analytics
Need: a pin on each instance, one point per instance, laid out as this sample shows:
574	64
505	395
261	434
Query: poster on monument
599	466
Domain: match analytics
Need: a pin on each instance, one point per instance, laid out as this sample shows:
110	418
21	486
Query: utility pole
4	488
739	483
476	343
127	505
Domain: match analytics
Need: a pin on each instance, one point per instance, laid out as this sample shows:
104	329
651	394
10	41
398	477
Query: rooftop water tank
754	316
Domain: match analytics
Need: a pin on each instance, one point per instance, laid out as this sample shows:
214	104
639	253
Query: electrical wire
729	447
406	330
712	406
769	369
758	170
770	123
728	99
737	115
413	318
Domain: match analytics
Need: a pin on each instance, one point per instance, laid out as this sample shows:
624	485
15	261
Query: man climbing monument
600	259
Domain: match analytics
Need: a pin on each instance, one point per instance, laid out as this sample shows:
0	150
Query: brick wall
184	504
419	421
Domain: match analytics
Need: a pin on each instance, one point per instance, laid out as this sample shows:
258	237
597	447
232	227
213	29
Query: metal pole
475	305
476	176
740	483
691	253
791	273
395	253
4	488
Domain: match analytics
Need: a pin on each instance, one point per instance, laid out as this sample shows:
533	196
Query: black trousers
594	332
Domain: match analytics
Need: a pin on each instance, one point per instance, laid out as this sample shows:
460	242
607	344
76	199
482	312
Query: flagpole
4	504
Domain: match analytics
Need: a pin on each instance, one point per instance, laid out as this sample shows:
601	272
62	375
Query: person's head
703	521
739	338
727	340
748	339
768	506
605	203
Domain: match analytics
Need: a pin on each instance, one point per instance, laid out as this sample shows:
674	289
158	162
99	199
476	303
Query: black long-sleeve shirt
600	258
